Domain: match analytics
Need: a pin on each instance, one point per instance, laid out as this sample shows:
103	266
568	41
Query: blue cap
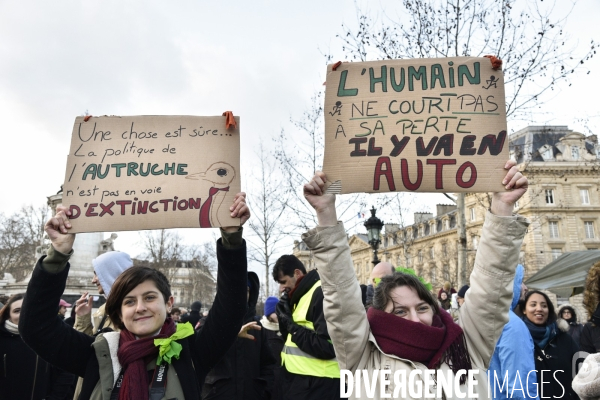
270	305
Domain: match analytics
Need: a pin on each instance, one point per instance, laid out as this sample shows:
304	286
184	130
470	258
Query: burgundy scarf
443	341
133	355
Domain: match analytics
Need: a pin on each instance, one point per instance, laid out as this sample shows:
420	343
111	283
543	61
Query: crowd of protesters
138	345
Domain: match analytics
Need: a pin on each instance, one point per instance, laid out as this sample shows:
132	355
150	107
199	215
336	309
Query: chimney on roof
422	217
442	209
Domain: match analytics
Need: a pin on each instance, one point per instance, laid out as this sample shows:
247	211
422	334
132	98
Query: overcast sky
262	59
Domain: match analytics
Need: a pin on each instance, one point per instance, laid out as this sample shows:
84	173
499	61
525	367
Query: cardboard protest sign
421	125
150	172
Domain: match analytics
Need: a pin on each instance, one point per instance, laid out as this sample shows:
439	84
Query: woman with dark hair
405	329
150	354
444	300
553	348
567	321
23	374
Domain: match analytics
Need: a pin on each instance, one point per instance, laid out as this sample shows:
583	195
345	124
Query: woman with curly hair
589	340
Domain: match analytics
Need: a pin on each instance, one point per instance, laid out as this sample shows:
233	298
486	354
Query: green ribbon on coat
168	347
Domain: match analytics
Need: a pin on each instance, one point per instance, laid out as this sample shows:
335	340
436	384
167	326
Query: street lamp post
374	225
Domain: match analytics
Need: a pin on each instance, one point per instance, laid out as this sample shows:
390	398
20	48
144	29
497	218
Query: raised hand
516	184
249	326
84	305
324	204
240	209
57	229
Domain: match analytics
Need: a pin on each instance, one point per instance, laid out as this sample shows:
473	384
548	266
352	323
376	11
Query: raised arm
39	325
342	305
485	311
224	320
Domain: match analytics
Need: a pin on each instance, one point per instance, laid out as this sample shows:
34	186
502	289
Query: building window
549	196
589	229
431	253
446	224
553	227
575	152
444	250
547	153
472	213
556	253
433	274
420	256
584	194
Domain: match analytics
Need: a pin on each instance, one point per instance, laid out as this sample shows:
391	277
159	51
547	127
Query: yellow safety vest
299	362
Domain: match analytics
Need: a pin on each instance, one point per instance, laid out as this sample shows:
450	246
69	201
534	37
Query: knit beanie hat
109	266
196	306
270	305
463	290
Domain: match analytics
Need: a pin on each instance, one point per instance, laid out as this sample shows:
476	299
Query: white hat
109	266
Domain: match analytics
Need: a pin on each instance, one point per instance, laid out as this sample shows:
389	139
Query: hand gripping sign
150	172
421	125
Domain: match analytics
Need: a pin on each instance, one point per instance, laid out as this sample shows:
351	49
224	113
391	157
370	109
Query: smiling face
96	282
536	309
406	303
144	310
444	296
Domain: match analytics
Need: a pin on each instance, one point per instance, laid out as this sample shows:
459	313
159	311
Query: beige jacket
84	323
482	317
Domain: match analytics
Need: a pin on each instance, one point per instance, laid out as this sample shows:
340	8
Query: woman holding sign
405	344
151	358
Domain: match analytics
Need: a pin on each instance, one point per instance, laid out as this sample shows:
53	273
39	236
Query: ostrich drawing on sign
220	174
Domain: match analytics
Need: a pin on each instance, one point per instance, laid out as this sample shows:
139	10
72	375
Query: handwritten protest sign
422	125
149	172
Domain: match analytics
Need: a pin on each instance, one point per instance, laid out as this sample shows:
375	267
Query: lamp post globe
374	226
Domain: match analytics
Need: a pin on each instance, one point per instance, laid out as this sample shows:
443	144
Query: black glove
284	315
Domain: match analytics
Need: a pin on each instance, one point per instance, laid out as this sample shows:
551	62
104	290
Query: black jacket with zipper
246	370
556	362
23	374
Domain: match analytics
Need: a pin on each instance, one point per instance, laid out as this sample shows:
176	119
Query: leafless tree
528	36
20	235
299	154
269	223
190	269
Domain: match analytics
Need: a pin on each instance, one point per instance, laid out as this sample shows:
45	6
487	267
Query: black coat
557	355
20	367
193	317
71	350
589	340
276	343
246	371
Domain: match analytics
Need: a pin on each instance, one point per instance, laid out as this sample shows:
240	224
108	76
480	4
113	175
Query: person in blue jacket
512	368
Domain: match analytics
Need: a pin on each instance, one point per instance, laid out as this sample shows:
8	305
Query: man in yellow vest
308	358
